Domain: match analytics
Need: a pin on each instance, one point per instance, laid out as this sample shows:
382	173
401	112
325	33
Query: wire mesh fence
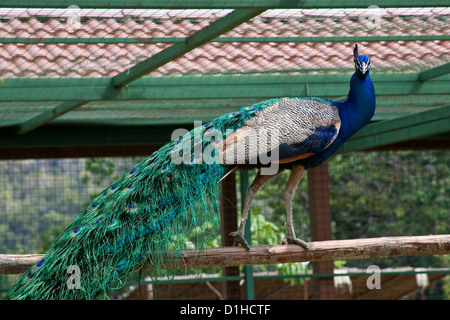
372	195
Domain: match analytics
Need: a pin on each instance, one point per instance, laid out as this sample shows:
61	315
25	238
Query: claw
239	239
294	240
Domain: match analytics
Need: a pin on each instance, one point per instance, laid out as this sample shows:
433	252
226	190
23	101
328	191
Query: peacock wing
295	128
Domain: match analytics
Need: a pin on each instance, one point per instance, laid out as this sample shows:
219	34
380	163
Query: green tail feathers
142	217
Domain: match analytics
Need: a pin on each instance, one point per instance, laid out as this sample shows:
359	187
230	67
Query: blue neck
359	107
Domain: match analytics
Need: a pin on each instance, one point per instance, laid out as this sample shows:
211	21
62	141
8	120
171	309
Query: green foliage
99	169
446	287
390	194
264	231
269	205
35	195
339	264
289	269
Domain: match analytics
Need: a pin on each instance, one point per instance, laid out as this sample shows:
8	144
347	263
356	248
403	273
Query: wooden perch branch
17	263
319	251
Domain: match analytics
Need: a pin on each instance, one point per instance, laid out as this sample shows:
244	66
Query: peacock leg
252	190
297	174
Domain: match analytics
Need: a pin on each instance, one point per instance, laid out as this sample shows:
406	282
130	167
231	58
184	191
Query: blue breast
354	114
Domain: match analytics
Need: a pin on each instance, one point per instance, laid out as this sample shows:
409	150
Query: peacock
143	219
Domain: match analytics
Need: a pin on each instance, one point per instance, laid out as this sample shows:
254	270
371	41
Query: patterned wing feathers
296	128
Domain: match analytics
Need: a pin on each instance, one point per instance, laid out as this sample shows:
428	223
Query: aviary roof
112	74
51	47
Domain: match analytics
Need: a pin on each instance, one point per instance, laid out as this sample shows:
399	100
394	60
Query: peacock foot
294	240
239	239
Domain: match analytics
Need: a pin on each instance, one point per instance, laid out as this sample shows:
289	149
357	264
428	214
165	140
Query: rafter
244	10
208	33
216	28
416	126
212	87
46	117
434	72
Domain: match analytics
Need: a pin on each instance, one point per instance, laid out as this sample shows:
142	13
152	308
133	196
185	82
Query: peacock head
362	63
